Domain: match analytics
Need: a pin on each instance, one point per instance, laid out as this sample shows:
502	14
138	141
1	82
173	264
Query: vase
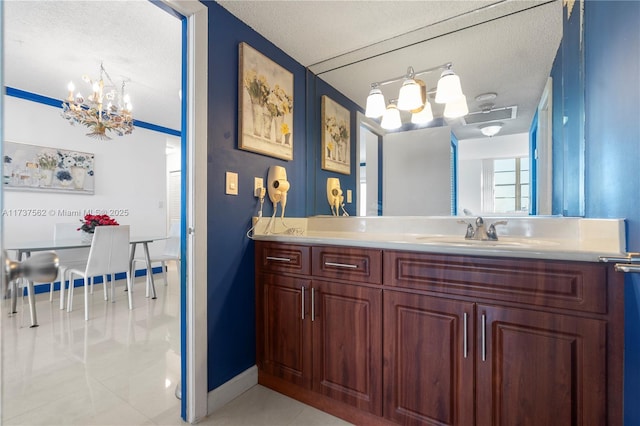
279	134
46	177
78	174
87	237
267	121
256	114
287	139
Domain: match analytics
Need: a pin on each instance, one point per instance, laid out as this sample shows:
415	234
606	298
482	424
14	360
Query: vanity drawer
279	257
348	263
578	286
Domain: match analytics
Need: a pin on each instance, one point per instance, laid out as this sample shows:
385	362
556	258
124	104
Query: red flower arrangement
92	220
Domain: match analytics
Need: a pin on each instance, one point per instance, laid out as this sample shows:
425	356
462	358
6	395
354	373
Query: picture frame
265	102
47	169
336	136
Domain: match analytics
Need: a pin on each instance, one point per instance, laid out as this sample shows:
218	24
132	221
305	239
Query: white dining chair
170	252
69	258
109	254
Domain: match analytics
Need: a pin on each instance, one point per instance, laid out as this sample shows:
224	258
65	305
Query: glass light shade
375	104
449	88
410	95
491	129
391	118
424	116
457	108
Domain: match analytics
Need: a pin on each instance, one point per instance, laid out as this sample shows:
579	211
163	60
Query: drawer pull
313	304
484	337
465	346
341	265
302	303
279	259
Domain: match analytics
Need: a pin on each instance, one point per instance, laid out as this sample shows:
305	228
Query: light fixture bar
448	65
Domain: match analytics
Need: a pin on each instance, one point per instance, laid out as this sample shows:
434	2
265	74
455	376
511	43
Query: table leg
14	296
149	270
132	273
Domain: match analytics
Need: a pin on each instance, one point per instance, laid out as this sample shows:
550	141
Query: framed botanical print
336	137
266	105
46	169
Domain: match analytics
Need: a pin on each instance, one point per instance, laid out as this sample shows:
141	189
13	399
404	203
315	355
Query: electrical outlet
257	184
232	184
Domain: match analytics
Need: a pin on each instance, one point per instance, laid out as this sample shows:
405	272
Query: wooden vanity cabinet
412	338
347	342
321	332
428	360
540	368
283	337
544	340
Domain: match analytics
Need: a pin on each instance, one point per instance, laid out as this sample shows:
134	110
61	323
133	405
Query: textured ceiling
49	43
502	46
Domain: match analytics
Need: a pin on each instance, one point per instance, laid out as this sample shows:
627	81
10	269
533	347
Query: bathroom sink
502	242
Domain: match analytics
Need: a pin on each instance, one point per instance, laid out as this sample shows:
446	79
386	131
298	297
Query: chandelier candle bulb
71	88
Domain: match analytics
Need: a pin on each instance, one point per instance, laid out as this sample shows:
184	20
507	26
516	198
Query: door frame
193	303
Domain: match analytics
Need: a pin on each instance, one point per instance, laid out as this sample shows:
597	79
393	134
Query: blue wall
231	295
568	117
612	133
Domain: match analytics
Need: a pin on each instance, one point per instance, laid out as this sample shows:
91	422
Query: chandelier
91	112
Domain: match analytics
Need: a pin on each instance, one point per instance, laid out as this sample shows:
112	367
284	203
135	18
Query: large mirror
505	56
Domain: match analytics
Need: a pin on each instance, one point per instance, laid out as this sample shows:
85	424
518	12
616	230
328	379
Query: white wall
371	144
130	175
471	152
417	172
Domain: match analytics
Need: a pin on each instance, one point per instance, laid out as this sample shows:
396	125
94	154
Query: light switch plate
232	184
349	196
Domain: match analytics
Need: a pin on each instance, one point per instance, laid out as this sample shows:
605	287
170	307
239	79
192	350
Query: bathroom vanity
377	328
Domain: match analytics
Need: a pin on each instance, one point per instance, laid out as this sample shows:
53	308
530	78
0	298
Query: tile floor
119	368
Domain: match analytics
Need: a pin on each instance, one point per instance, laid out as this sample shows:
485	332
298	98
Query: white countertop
539	237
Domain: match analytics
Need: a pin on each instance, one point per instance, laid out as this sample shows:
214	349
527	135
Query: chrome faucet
480	232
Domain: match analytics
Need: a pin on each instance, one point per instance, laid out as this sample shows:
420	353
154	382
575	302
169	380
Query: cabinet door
537	368
284	333
347	344
428	360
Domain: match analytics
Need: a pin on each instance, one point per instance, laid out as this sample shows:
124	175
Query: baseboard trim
230	390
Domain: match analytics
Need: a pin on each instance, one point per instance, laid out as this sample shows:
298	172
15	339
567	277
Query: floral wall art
39	168
266	105
336	139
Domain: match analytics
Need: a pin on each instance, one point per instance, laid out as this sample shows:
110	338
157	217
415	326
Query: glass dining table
24	249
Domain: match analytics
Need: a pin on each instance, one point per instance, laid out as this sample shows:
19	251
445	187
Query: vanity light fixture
410	96
491	129
375	102
391	118
423	116
413	97
457	108
449	88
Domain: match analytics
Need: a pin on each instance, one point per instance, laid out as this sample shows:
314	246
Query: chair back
65	232
172	244
109	252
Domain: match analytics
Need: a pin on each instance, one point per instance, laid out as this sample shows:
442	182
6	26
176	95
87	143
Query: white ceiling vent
495	114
